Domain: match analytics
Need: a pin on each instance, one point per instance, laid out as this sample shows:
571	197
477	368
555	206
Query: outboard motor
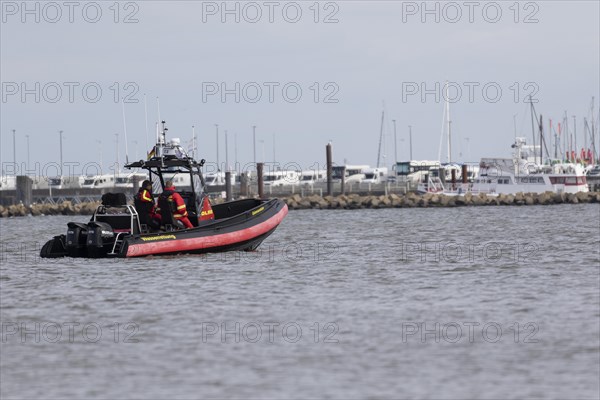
100	238
54	248
76	239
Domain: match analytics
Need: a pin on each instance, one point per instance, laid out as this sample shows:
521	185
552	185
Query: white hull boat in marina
517	175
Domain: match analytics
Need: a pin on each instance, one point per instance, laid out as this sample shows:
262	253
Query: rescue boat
116	229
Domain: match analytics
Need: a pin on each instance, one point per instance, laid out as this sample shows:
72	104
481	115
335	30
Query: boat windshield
402	168
336	172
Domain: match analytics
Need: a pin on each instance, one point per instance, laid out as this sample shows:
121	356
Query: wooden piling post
228	196
259	173
244	184
343	181
24	190
453	174
329	170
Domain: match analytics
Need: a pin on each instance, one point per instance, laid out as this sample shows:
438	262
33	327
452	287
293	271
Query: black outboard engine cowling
76	239
100	239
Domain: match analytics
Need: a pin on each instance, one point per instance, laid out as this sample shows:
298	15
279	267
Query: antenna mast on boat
162	141
125	132
158	108
380	137
157	133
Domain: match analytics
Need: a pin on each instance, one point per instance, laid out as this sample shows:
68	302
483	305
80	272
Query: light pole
218	166
235	148
262	142
395	143
27	137
254	142
100	149
117	170
410	140
226	153
14	152
61	153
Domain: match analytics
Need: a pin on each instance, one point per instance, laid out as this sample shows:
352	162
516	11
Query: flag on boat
152	153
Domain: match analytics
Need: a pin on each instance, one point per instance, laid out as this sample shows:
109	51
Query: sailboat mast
541	139
380	138
532	127
585	145
555	140
449	123
597	154
575	135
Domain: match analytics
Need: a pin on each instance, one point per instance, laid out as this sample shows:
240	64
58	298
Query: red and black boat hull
238	225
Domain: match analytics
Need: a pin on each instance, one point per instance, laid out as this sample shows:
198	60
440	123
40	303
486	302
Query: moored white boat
517	175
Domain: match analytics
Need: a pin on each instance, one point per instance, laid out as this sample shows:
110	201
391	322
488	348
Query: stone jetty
347	202
64	208
410	200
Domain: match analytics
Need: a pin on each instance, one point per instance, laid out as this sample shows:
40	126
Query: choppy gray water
487	302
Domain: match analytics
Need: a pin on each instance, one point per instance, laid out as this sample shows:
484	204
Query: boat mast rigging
446	126
380	138
449	124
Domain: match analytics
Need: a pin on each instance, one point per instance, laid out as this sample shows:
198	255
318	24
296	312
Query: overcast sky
358	59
